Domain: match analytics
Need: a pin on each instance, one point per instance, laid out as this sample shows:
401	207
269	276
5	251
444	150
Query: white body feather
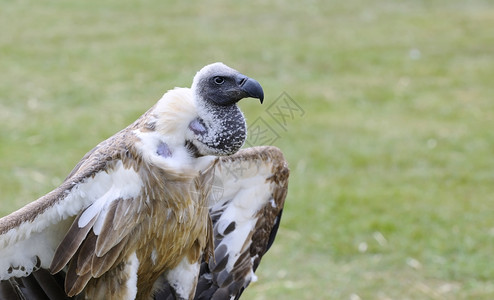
183	278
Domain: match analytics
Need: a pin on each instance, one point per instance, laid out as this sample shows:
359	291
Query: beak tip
253	89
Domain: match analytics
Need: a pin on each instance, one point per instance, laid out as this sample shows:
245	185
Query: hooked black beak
251	87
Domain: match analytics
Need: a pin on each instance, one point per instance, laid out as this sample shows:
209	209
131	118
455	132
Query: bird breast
177	226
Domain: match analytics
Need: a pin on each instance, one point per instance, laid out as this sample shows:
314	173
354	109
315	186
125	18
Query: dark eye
219	80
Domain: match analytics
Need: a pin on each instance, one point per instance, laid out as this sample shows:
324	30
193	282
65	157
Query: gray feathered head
220	128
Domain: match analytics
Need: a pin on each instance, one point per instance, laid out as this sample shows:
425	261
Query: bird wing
46	233
247	196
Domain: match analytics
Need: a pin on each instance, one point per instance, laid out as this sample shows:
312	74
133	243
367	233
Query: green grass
392	181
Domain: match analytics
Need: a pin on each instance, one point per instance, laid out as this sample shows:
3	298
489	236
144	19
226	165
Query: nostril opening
242	81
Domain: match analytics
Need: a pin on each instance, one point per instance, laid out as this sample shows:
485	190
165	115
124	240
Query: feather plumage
137	215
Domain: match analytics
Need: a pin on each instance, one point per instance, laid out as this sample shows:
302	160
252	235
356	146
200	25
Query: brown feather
71	242
109	236
84	256
101	265
74	283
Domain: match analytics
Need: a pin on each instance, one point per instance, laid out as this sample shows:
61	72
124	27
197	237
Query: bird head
220	127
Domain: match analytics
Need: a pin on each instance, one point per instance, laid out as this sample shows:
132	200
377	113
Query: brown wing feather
119	223
72	241
75	283
84	255
96	254
100	265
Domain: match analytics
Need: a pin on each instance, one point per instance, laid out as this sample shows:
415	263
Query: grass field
392	187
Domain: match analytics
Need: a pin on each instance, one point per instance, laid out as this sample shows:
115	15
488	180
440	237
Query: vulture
168	208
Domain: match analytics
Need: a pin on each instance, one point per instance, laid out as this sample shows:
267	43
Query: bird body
133	218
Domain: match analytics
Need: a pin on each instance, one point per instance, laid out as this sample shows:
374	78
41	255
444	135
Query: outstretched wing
95	189
251	190
248	195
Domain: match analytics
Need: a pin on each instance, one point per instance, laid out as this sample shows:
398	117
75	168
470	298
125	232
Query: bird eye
219	80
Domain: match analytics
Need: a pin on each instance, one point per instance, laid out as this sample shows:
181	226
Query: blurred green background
390	148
